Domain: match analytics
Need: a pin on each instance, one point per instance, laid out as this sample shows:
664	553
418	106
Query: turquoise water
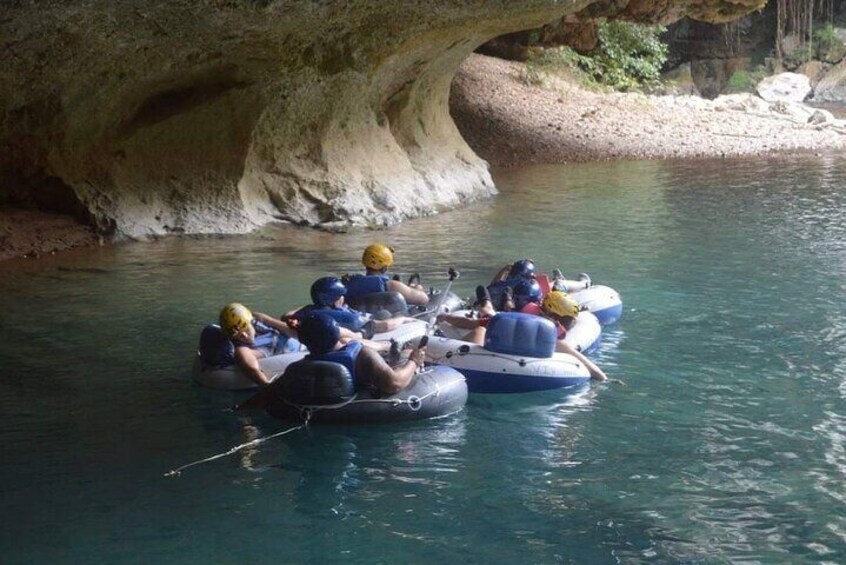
727	444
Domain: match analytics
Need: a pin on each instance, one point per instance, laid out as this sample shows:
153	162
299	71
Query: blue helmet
325	291
526	291
319	332
522	269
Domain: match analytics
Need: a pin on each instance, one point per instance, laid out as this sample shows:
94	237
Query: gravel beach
509	122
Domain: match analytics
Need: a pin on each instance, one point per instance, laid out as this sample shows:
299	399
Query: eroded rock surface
784	87
220	115
832	87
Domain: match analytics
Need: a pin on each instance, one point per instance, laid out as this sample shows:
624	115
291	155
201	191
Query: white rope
393	401
522	361
176	472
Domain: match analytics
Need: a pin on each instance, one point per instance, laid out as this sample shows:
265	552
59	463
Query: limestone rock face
832	87
784	87
219	115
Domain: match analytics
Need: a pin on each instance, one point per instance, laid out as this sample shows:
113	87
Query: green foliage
628	56
825	36
745	81
556	60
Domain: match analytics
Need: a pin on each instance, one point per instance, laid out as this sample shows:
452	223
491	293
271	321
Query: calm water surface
728	443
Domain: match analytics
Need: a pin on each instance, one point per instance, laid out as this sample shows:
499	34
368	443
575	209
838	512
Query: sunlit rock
784	87
832	86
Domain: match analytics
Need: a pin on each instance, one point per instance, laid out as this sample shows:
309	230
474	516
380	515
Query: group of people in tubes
332	331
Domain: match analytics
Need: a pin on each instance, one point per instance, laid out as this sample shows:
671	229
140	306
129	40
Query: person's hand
418	356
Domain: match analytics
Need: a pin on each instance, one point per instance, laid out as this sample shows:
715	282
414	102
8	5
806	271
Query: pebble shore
509	122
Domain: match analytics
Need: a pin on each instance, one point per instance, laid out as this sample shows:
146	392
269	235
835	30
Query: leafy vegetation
628	57
745	81
556	60
825	36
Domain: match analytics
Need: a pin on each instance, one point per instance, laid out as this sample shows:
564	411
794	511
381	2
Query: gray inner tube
377	303
434	392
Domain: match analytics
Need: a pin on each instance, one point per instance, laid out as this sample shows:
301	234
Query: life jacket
358	285
346	356
346	317
217	350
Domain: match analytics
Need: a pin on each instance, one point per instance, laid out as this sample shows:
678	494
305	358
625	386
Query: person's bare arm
382	375
501	274
390	324
380	346
460	321
412	295
275	323
248	363
595	372
571	285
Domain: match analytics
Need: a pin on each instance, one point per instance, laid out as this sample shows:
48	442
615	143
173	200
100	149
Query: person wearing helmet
376	260
250	336
526	295
322	335
556	306
327	296
563	310
502	285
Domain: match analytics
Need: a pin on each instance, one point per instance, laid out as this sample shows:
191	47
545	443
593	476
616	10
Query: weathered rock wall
220	115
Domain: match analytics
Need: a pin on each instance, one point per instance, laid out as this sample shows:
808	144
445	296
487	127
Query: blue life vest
346	317
217	350
358	285
346	356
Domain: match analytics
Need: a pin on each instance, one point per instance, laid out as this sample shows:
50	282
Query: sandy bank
508	122
30	233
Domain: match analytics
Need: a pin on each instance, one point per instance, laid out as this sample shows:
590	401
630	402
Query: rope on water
178	471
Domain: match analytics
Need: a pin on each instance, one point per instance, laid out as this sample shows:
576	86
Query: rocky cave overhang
199	116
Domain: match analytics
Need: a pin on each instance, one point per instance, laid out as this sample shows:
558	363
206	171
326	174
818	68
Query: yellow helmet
377	257
560	304
235	318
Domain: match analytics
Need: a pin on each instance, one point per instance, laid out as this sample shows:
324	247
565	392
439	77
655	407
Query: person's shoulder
531	308
367	355
243	350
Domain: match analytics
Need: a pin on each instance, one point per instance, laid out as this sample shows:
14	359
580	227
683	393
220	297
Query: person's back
376	260
253	336
321	334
